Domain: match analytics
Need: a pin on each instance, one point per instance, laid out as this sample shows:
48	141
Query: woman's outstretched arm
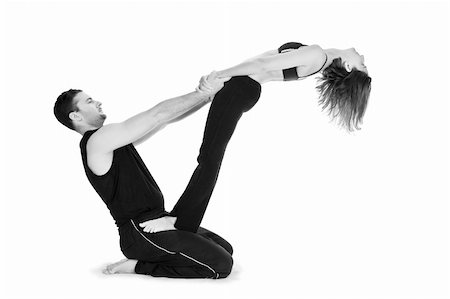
303	56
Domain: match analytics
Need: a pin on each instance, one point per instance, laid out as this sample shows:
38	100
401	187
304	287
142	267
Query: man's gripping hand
159	224
211	84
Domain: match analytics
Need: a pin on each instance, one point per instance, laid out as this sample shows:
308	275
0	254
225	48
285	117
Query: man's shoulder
86	137
98	161
108	138
95	138
96	141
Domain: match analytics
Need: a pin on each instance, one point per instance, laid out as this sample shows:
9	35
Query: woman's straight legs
237	96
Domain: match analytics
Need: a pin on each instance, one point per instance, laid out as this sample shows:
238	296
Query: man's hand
211	84
159	224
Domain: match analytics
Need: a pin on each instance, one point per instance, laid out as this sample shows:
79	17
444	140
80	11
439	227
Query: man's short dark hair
64	105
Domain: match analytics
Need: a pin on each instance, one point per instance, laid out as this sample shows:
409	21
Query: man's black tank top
128	189
291	73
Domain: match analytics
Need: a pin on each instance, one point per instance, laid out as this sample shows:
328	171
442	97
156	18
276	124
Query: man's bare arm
113	136
151	133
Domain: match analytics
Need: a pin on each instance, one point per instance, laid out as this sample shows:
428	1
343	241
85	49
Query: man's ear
75	116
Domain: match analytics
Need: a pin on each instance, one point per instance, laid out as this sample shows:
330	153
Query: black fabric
128	189
291	73
177	253
191	251
237	96
290	45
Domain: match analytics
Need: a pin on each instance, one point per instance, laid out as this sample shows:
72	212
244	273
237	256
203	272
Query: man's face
90	111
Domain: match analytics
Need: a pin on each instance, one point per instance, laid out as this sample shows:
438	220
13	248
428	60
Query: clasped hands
211	84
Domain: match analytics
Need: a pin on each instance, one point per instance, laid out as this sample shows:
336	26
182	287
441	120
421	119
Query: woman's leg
237	96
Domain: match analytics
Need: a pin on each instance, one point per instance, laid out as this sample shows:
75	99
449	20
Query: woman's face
352	59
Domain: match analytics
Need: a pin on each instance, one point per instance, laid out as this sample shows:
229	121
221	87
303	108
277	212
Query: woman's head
351	59
344	90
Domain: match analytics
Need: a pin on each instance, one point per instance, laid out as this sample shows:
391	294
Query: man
154	241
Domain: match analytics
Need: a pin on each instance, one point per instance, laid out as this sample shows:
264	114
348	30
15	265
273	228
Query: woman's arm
303	56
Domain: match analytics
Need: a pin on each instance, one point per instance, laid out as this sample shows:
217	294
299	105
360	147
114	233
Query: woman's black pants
192	251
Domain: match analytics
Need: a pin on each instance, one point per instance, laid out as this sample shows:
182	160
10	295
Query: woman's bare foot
122	266
159	224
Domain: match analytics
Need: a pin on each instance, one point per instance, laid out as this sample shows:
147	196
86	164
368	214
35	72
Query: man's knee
223	266
227	246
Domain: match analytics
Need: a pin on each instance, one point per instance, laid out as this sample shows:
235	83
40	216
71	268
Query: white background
312	212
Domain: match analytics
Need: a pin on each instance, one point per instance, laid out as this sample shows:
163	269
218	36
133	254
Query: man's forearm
189	112
164	112
186	114
174	109
180	110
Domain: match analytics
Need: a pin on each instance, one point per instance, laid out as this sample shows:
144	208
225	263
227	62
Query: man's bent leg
237	96
194	257
175	253
216	239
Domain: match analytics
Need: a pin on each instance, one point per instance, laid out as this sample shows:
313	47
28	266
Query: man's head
78	111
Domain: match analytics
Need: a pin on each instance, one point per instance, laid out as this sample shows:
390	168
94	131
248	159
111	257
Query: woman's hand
158	225
211	84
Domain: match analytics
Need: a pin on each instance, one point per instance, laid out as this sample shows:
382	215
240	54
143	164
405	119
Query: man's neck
85	129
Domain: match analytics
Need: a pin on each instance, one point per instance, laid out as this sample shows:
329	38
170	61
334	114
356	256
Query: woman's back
292	74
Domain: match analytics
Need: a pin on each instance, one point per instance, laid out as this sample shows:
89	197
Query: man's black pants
192	251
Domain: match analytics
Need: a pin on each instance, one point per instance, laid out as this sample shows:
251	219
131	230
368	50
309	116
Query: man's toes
110	269
106	271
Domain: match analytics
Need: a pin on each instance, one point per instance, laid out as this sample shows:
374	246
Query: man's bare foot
122	266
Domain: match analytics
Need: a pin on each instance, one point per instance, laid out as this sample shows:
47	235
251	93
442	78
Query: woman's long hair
344	94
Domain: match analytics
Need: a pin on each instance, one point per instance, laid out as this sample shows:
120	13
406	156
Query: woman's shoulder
290	46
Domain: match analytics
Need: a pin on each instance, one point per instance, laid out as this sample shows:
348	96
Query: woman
344	86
